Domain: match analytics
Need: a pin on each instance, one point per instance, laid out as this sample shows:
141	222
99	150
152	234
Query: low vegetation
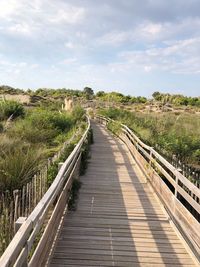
171	134
10	108
177	99
33	135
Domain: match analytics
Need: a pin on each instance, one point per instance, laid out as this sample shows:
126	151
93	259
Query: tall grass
18	163
30	140
177	135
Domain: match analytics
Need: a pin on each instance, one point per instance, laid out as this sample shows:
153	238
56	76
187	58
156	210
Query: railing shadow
118	221
165	242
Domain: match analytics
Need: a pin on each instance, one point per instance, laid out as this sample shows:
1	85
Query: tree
157	96
88	92
100	93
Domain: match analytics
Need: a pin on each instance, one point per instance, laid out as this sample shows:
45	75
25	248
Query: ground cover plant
174	134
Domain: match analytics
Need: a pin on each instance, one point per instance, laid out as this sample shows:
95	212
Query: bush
77	113
114	127
8	108
51	173
173	134
18	163
31	133
45	119
31	139
42	126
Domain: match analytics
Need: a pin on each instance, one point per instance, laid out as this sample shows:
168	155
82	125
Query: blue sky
135	47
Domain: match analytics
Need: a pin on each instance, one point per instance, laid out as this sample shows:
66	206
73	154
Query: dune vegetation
29	136
172	134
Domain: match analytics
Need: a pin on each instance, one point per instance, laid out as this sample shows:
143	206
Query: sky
130	46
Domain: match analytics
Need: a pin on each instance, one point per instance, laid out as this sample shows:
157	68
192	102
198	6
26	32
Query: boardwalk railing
21	202
32	242
180	197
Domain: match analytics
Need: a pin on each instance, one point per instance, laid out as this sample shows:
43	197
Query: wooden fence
21	202
189	171
32	243
179	195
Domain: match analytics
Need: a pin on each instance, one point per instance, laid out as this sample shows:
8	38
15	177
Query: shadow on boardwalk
118	221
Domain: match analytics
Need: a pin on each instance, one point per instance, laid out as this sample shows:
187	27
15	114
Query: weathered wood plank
118	221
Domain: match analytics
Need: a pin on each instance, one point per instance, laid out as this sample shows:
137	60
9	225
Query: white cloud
20	28
76	38
8	8
115	38
177	57
69	61
69	45
150	29
69	15
148	68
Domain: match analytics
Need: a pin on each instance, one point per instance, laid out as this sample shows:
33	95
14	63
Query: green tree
157	96
100	93
88	92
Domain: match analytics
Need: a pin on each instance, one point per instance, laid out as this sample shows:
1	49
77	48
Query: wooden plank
118	220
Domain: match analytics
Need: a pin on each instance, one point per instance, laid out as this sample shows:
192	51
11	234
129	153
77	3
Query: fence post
19	222
150	159
23	262
16	200
177	171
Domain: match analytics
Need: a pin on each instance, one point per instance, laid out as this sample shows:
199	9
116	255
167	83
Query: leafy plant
11	108
18	163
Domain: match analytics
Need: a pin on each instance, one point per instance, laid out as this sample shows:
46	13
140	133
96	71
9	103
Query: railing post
175	189
150	159
19	222
23	262
176	179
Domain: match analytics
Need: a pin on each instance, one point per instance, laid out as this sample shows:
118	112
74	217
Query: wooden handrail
183	202
21	244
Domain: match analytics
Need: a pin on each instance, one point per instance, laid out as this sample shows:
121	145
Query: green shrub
8	108
18	163
31	138
51	173
173	134
67	151
85	152
31	133
114	127
77	113
76	185
50	120
42	126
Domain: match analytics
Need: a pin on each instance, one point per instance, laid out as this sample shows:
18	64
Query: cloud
98	40
177	57
70	15
8	8
69	61
22	29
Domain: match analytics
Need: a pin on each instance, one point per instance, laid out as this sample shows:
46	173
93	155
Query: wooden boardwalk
118	221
